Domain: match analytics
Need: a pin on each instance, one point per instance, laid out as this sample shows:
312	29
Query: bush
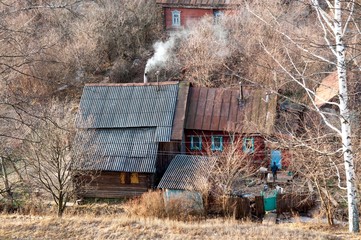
149	204
183	208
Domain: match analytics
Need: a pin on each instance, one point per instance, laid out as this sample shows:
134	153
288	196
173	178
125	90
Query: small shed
187	178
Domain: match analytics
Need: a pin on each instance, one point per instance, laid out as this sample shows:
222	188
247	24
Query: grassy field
121	226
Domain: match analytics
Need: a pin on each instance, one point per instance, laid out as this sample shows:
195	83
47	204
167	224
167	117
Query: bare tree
334	23
51	156
228	172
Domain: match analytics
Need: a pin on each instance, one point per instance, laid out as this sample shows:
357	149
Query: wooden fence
242	208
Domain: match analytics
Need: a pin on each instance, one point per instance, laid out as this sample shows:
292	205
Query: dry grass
151	204
121	226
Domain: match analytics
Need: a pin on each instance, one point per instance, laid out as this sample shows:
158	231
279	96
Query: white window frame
176	18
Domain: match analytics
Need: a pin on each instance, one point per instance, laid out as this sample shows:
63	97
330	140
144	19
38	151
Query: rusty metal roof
217	109
187	172
180	111
199	3
327	89
122	149
129	105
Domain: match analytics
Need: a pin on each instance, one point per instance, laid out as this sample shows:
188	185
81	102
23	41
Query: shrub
149	204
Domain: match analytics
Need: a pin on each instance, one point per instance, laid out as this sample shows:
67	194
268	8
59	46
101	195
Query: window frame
245	147
134	178
217	14
193	147
127	178
214	147
176	18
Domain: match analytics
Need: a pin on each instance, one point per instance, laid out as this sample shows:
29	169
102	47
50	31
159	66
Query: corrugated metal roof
199	3
187	172
180	112
123	149
217	109
124	105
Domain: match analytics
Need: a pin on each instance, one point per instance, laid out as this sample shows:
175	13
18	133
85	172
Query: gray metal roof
187	172
124	106
123	149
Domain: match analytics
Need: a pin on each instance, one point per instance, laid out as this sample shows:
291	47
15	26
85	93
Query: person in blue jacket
274	170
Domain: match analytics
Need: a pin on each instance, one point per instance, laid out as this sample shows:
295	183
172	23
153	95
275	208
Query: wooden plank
244	207
225	111
198	121
216	115
209	109
259	206
193	103
180	112
234	107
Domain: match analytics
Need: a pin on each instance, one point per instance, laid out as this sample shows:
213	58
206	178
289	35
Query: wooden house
218	117
180	13
136	129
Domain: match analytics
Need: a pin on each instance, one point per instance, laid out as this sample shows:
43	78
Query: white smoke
163	52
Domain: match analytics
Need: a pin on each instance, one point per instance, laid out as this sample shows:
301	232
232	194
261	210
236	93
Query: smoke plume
213	37
163	52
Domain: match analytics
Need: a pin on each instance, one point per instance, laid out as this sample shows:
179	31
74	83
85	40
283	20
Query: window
196	143
123	178
248	145
134	178
217	143
176	18
217	16
129	178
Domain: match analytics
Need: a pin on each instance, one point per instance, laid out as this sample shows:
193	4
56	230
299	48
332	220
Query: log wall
108	185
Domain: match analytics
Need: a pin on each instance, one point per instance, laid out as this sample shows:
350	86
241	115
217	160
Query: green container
270	200
270	203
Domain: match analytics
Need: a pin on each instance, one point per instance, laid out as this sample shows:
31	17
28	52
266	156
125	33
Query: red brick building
181	13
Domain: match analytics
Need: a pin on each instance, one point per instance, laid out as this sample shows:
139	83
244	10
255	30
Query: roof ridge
131	84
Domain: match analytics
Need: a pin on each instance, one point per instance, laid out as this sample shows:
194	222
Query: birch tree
334	20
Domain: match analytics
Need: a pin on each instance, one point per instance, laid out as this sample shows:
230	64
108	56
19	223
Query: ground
121	226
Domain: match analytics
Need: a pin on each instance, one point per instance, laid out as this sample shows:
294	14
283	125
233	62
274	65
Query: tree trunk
5	178
353	214
60	206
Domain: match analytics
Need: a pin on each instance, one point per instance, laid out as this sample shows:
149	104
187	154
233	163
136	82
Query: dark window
217	143
248	145
217	15
196	143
